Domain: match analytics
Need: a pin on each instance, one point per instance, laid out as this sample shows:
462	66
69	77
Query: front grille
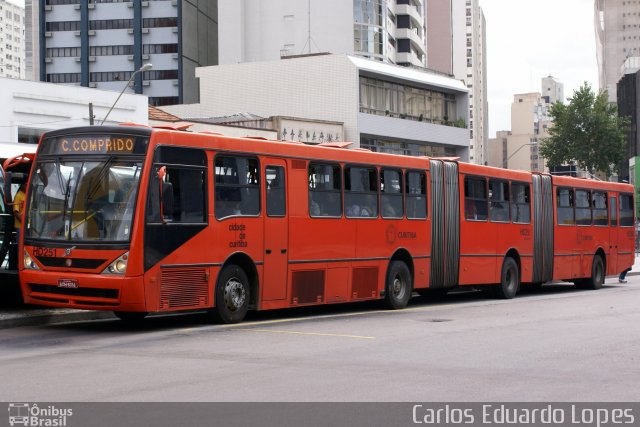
90	264
78	292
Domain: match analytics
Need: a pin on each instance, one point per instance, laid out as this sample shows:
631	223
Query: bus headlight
29	263
118	266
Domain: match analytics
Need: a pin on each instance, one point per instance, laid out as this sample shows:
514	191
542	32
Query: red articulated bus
139	219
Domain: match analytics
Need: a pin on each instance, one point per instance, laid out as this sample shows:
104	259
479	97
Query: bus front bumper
87	292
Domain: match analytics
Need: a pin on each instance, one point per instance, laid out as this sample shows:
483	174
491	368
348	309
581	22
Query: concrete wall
260	30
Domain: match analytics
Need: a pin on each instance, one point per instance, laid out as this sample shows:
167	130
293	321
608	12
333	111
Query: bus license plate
67	283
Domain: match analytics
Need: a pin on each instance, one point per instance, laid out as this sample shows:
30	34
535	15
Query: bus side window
600	210
475	199
325	190
391	193
626	210
613	212
564	201
499	198
183	196
583	207
520	203
416	196
237	186
276	197
360	192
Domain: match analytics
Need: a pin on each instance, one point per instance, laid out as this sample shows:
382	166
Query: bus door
276	232
612	262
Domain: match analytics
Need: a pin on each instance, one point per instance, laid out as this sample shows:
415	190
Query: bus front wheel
232	295
398	287
509	280
597	274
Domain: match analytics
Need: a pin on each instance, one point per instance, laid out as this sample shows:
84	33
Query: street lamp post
506	162
144	67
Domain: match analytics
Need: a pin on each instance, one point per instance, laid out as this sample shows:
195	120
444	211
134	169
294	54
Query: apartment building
102	43
12	41
391	31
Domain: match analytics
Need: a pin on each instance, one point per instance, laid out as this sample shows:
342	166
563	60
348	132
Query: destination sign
94	144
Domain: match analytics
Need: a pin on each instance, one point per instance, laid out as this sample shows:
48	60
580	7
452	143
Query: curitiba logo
26	414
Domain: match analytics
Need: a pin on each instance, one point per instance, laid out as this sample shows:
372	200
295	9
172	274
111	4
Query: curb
46	317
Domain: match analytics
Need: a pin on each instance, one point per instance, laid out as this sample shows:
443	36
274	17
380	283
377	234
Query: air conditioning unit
145	31
48	34
92	59
92	84
145	56
130	31
146	83
48	60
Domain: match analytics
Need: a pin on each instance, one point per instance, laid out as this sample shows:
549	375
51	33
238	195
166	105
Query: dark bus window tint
613	212
391	193
520	203
360	192
324	190
499	198
583	207
237	186
276	197
626	210
564	201
183	196
600	208
475	199
416	198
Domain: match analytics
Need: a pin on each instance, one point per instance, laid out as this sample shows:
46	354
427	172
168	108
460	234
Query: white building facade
30	108
12	40
617	25
382	107
101	44
264	30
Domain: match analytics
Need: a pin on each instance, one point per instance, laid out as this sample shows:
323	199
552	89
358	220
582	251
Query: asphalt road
557	344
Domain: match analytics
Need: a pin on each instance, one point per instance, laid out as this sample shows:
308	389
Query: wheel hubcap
234	294
398	287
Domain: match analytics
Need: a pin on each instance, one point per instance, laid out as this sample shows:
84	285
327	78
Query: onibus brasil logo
27	414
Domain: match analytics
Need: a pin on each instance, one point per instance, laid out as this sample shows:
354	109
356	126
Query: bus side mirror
166	195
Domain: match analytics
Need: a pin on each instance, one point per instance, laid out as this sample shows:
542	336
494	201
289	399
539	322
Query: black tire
232	295
597	274
131	316
398	288
509	280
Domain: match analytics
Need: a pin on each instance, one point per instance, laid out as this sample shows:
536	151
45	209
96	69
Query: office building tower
101	43
12	45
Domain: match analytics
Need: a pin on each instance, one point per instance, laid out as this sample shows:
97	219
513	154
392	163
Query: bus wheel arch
246	263
509	277
399	280
598	271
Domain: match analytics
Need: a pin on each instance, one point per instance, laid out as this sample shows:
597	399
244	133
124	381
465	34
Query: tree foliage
588	131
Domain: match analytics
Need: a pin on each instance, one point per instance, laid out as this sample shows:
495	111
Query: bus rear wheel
597	274
232	295
398	287
509	280
131	316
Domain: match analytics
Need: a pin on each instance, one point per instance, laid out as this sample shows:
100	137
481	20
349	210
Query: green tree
588	131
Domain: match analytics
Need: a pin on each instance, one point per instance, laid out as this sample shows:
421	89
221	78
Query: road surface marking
277	331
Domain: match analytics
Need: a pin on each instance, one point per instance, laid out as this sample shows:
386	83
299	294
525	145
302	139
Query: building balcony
412	34
416	17
409	58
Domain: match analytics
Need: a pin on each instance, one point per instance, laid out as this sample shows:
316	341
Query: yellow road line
277	331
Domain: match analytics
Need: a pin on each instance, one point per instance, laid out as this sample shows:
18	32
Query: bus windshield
83	200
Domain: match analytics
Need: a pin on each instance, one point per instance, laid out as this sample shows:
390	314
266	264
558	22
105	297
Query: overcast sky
531	39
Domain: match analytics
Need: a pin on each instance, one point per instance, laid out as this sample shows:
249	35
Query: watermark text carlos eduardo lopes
569	414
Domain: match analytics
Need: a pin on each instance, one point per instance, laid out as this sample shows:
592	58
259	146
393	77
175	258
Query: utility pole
91	116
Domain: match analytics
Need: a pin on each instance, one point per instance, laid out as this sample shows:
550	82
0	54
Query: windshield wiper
101	173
